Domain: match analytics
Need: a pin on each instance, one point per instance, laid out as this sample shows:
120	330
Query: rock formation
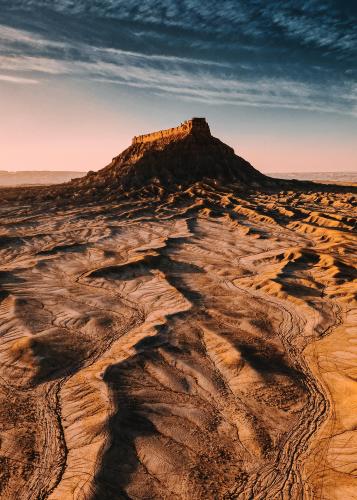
194	126
181	155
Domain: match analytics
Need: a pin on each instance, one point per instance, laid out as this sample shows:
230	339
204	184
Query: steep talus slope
192	343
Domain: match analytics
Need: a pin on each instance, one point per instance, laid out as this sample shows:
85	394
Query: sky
276	80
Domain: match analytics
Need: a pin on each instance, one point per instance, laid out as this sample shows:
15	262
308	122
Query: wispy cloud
30	64
250	53
17	79
328	23
12	37
185	80
315	23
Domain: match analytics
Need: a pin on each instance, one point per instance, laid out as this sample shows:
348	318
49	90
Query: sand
200	345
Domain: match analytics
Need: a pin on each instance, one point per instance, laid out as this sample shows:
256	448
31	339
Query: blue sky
277	80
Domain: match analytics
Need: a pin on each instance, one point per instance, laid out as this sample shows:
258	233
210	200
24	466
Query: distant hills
33	177
317	176
47	177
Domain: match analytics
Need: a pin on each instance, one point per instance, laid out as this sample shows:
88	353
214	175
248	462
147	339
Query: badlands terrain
178	326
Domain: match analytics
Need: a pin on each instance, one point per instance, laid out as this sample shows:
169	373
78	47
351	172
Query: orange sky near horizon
50	128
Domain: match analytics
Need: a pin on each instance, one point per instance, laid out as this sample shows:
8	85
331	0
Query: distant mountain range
317	176
33	177
46	177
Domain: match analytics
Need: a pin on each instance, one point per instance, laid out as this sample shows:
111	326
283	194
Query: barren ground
202	346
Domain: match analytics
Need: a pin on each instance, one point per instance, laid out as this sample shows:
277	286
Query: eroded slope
170	348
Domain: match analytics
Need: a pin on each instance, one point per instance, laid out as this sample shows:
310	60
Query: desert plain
195	340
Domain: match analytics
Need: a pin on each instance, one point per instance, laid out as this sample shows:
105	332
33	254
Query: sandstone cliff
197	126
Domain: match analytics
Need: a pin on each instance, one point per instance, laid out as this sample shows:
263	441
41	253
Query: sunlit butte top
199	125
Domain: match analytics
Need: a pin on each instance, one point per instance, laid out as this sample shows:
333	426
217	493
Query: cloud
35	65
12	36
17	79
295	54
329	23
184	79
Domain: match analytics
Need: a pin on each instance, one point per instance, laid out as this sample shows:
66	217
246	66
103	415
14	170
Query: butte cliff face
181	155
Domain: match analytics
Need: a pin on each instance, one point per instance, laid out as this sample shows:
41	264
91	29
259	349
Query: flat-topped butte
199	125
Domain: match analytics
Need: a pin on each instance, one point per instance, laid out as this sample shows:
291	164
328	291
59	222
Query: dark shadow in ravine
126	382
128	422
130	387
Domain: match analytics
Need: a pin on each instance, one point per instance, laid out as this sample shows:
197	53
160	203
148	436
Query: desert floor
202	346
